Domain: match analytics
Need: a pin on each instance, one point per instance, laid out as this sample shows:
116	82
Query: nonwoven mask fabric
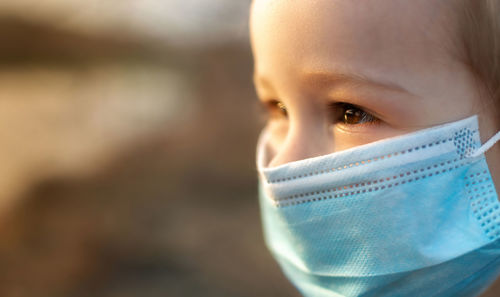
415	215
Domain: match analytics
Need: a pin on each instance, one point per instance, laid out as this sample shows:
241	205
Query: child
374	178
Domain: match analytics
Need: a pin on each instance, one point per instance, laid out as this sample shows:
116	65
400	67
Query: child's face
337	74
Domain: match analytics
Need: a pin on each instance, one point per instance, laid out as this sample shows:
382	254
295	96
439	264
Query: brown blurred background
127	135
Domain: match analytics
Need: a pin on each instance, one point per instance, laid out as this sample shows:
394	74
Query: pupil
352	116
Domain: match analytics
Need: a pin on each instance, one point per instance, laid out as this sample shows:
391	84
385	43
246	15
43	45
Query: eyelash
275	109
340	112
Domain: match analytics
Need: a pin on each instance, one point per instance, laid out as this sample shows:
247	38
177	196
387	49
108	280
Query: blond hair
479	29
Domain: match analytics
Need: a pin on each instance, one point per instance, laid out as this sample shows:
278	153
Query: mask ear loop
486	146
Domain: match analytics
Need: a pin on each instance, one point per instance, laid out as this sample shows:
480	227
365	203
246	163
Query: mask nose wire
486	146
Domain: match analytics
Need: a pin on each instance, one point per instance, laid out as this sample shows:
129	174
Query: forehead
376	36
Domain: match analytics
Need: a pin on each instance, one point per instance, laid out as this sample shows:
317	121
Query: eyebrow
262	82
334	77
327	77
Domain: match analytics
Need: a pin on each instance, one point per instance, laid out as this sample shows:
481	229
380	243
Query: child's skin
312	56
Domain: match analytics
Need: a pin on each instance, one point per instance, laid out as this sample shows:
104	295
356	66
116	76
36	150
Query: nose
306	139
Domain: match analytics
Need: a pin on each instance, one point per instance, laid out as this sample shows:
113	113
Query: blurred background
127	135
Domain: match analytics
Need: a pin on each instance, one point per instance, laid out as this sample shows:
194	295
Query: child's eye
349	114
276	108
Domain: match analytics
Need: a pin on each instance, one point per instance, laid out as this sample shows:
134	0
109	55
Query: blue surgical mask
415	215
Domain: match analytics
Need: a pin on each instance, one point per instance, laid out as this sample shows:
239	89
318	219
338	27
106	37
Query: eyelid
274	107
270	102
339	116
375	114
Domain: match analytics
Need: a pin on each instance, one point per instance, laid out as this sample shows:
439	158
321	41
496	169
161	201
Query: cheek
337	139
349	136
278	131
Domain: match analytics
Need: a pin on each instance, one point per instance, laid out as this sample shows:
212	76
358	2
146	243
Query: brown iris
353	116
